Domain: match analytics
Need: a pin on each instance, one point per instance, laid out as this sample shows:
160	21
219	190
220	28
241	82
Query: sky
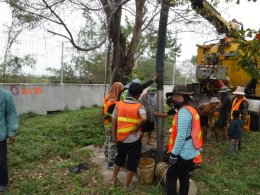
246	12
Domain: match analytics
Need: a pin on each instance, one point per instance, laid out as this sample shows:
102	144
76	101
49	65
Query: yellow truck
218	62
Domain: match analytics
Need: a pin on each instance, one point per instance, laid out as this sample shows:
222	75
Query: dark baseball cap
135	89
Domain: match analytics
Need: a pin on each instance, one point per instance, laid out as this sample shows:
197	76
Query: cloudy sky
246	12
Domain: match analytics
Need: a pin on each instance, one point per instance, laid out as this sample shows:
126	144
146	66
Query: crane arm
208	12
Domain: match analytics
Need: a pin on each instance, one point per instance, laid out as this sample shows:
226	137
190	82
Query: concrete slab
98	159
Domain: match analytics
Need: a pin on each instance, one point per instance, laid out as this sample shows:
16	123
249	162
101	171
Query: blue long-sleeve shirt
184	147
8	115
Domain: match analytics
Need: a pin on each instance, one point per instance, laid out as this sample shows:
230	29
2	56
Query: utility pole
175	56
161	42
107	65
62	63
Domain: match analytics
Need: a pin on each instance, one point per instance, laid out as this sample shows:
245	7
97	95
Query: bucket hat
239	91
214	100
180	89
224	89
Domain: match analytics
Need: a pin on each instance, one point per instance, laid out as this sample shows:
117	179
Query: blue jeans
3	163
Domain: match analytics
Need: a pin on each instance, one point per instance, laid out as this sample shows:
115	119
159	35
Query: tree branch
85	6
70	38
30	12
137	28
42	9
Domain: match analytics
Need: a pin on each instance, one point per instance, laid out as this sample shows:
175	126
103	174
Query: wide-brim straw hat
214	100
224	89
239	91
179	89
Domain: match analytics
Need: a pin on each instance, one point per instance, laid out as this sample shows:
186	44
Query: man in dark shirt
224	113
206	111
8	125
144	85
170	112
241	103
235	132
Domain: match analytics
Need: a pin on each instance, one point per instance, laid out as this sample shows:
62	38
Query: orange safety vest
195	130
127	119
107	116
236	104
197	159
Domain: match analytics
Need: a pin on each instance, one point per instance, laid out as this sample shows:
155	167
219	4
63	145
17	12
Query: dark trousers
130	152
239	144
3	163
180	170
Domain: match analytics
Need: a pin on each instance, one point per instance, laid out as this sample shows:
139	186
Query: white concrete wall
40	98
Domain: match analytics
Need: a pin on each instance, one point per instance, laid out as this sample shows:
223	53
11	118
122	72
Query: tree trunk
118	41
123	57
130	59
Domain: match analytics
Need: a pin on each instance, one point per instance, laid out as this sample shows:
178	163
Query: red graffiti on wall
14	90
32	91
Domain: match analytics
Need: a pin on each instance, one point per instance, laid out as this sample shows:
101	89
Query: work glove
172	159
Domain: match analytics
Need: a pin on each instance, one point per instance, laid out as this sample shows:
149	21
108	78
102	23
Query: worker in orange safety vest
110	101
196	126
240	102
185	141
128	117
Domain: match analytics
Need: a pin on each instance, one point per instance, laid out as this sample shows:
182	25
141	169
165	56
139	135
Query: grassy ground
47	146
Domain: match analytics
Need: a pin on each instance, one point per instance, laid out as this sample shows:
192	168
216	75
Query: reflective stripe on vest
127	118
107	116
195	130
236	104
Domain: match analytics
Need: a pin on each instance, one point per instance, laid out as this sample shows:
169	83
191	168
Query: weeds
47	146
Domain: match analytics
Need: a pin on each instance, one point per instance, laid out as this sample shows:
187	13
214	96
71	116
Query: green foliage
184	73
90	36
24	17
57	134
81	69
238	1
236	175
24	79
194	60
172	48
14	64
249	52
127	29
47	146
27	115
